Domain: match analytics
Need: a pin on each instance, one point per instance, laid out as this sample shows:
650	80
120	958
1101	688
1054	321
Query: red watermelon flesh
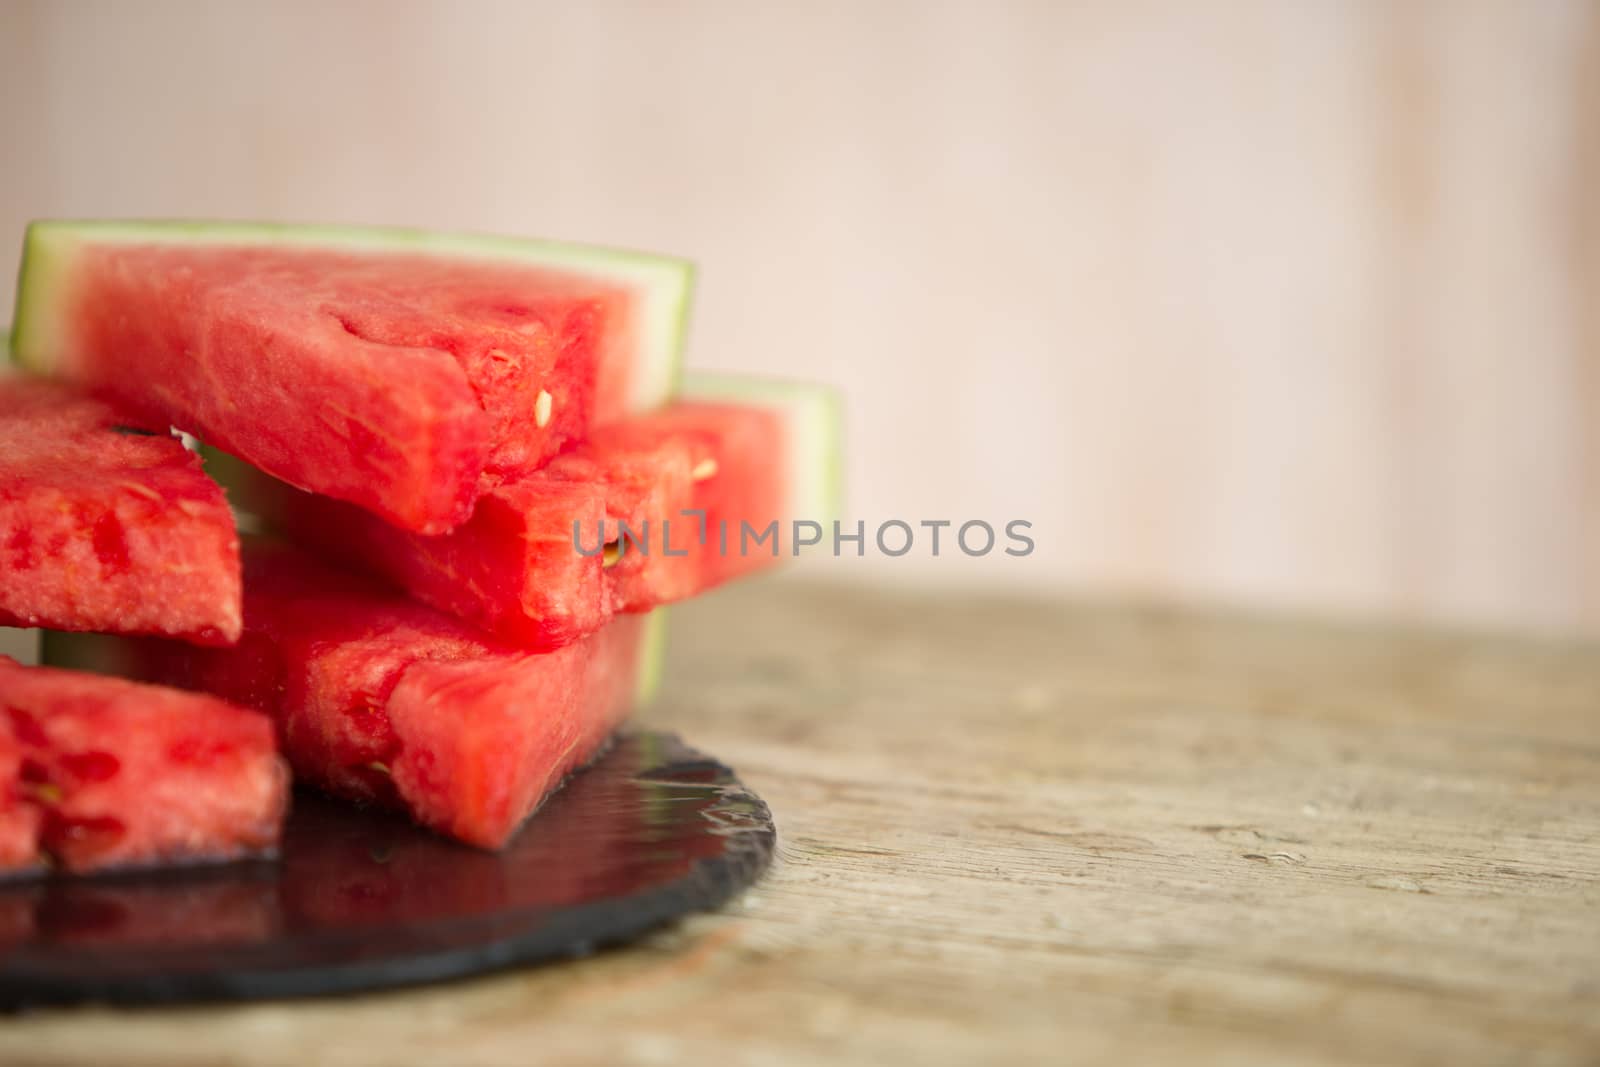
126	775
107	530
379	699
19	820
684	481
479	571
402	372
739	458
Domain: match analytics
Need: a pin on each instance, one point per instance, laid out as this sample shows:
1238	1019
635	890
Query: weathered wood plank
1031	830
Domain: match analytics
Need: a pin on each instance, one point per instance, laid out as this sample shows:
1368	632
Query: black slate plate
360	900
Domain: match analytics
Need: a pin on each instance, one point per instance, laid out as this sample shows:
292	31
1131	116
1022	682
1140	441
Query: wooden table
1029	831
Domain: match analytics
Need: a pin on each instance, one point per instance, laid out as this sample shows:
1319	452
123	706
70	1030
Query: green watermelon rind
665	284
652	658
88	652
814	417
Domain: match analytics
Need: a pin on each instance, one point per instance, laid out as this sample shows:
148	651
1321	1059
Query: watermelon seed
44	792
706	468
141	490
613	552
541	408
381	768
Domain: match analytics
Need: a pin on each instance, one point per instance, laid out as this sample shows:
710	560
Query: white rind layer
663	285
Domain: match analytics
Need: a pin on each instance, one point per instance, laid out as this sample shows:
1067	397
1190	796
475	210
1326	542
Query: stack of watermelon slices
471	469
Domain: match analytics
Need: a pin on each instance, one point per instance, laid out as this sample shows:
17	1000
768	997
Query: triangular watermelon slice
687	483
401	370
382	700
103	773
106	529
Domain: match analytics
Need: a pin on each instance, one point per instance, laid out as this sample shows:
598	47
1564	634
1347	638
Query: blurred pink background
1286	304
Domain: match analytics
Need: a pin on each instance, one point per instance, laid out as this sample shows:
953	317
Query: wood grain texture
1020	831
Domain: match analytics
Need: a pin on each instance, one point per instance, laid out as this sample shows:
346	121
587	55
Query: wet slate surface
362	900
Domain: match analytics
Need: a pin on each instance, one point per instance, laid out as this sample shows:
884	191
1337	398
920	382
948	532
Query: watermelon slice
529	566
102	773
379	699
400	370
108	530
